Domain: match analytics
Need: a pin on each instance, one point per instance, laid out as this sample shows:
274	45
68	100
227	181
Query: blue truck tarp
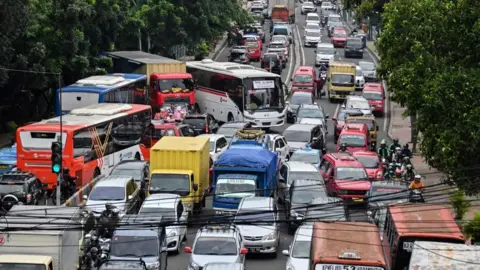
8	159
255	161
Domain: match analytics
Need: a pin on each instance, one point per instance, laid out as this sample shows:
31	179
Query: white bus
235	92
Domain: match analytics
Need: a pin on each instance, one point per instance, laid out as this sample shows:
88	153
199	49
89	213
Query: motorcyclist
406	161
390	172
394	145
108	220
343	148
71	185
417	183
323	67
406	151
397	155
408	173
382	152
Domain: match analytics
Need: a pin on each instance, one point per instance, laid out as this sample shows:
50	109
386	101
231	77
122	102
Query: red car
356	136
371	163
305	80
339	38
254	49
339	120
162	129
345	176
375	94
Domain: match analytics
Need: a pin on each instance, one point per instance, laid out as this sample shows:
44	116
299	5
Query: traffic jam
273	154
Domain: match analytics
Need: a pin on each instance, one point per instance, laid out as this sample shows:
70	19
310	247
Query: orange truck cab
171	88
284	13
356	136
305	80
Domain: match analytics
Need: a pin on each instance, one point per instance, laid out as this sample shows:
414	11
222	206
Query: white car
358	103
308	7
312	27
295	170
172	209
359	78
326	5
325	53
281	38
218	145
279	144
311	38
312	18
298	252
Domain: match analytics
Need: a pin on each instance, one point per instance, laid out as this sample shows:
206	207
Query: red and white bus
94	138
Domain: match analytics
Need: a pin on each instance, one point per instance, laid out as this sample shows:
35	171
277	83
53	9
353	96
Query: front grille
266	123
356	192
253	238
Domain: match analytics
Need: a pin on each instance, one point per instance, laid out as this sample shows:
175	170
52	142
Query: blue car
8	159
308	155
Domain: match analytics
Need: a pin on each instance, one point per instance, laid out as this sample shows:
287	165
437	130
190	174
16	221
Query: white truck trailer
49	231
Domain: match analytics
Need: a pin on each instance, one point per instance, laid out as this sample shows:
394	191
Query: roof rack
218	227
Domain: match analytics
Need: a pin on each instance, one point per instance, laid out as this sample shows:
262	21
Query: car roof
221	232
280	26
302	69
298	166
325	45
304	233
161	200
114	181
312	23
212	137
373	87
308	151
392	184
279	42
131	164
345	160
349	110
334	15
256	203
359	98
366	62
309	106
312	14
353	38
300	127
310	3
364	153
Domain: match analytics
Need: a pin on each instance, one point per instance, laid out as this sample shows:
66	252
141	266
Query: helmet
398	149
409	167
383	142
395	141
418	177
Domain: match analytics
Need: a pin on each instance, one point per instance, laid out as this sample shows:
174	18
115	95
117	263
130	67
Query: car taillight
29	198
206	128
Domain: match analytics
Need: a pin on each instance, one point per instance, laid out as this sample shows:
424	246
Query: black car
20	188
202	123
354	47
271	62
300	196
139	170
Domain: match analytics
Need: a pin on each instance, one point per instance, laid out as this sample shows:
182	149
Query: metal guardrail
77	198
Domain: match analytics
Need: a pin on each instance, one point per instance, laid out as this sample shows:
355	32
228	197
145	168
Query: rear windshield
312	18
280	31
252	44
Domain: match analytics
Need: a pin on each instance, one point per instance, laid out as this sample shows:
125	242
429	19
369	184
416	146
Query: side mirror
285	252
371	178
384	97
187	249
243	251
291	79
130	197
85	197
195	187
377	128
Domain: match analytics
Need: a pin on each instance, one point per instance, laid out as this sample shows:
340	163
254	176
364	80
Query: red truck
284	13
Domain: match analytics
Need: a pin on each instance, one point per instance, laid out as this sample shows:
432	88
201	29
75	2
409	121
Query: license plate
3	166
357	200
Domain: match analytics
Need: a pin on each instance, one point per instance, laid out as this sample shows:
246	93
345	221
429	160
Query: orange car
339	38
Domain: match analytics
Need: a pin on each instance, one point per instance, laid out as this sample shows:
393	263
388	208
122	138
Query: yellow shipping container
180	165
341	80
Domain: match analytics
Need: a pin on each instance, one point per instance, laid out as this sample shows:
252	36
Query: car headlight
270	236
193	266
153	265
172	233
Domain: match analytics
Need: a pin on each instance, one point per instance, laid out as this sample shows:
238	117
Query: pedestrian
214	44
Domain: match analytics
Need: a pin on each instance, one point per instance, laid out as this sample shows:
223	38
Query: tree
429	52
364	8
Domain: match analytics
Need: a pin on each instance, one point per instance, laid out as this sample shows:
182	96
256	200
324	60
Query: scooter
416	196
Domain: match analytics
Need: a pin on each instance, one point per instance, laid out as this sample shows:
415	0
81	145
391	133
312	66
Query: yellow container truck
180	165
340	80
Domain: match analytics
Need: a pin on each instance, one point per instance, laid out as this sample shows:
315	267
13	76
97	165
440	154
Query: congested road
299	56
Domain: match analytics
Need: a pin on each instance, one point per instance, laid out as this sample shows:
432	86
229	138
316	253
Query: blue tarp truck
240	173
8	159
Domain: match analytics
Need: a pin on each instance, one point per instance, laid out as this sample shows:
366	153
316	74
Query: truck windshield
135	246
353	140
170	183
22	266
343	79
175	85
235	187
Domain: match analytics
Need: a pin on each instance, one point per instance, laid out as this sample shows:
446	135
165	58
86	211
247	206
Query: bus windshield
264	94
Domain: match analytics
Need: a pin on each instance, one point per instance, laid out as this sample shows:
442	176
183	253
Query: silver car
262	237
298	252
121	191
324	53
369	70
216	244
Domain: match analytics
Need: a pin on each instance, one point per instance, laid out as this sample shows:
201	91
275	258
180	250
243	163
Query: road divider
77	198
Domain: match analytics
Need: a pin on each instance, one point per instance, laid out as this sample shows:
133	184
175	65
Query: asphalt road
301	56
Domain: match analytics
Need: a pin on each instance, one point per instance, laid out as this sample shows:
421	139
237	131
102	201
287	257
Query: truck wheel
137	156
230	117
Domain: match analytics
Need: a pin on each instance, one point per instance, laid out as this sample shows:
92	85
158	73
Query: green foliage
472	228
364	8
459	203
68	36
429	52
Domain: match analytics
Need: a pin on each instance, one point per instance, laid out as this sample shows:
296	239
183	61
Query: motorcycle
107	222
416	196
323	75
398	175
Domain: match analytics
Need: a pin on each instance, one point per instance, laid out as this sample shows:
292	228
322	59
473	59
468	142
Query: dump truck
168	80
180	165
284	11
340	80
42	235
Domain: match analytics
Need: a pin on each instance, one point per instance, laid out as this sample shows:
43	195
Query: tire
137	156
274	255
